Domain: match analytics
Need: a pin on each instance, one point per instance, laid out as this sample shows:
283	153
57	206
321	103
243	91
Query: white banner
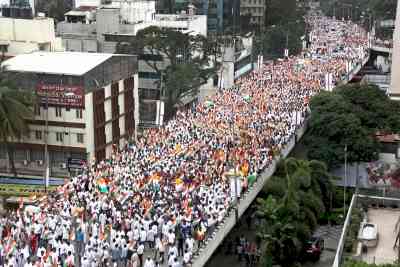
238	186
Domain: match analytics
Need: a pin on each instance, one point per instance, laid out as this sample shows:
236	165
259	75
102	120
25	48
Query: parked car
369	235
314	248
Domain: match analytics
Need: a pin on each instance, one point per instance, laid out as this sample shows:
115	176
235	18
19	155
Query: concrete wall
107	21
28	35
89	141
80	45
76	29
31	30
78	3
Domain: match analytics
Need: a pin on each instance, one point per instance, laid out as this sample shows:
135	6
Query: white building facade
255	9
20	36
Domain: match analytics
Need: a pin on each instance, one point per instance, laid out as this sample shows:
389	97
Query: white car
369	234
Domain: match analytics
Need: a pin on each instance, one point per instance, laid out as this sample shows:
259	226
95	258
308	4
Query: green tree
55	8
276	38
295	199
188	58
15	109
351	116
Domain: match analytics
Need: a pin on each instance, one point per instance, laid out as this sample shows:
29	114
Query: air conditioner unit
63	165
25	162
39	162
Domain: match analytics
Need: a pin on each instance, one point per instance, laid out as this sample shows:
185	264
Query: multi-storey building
103	28
231	15
87	102
255	9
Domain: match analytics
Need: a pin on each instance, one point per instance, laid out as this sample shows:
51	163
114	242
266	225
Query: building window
149	75
58	111
36	110
38	135
79	138
59	136
79	113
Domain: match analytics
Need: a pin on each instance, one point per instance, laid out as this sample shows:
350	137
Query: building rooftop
67	63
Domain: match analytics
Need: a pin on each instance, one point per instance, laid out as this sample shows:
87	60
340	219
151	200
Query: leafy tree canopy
351	115
188	59
379	9
296	196
284	27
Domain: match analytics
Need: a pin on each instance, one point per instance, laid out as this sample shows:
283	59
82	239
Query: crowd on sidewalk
155	201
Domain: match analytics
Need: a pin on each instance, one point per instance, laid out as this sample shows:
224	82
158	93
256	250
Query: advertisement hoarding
61	95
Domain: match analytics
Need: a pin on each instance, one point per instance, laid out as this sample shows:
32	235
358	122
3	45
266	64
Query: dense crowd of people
155	201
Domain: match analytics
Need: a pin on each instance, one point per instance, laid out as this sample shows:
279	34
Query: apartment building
255	8
87	103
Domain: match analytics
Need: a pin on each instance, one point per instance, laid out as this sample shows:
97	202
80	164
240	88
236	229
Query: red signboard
61	95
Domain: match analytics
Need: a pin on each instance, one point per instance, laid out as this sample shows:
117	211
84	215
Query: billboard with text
61	95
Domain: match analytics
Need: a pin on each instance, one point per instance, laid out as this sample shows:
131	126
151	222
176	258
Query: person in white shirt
171	260
85	262
189	243
149	262
176	263
171	238
186	258
143	235
140	251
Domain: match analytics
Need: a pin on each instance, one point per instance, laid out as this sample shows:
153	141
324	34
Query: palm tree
15	109
290	218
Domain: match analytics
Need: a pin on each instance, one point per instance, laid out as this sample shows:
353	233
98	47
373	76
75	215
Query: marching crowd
157	200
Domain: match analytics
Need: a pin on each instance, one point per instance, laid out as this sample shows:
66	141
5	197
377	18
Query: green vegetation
54	8
15	109
352	234
295	197
188	57
284	28
354	263
351	115
359	10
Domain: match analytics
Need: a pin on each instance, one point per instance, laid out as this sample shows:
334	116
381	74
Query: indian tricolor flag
102	185
10	247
